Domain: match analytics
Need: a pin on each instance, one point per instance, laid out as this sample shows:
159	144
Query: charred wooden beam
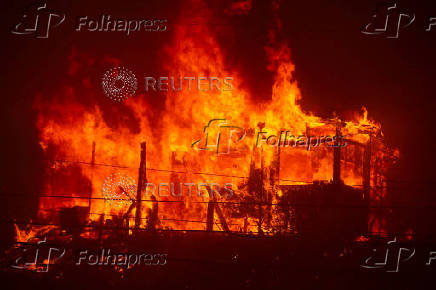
210	212
92	173
100	228
153	218
142	178
221	217
127	214
212	206
337	160
367	170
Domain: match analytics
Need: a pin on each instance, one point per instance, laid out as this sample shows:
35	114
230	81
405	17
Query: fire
86	143
24	235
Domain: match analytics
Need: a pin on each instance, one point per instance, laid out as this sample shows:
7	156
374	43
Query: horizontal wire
133	217
223	175
286	204
171	171
372	233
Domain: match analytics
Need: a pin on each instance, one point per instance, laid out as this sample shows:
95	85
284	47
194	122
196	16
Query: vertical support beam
152	219
211	207
262	196
142	178
100	228
337	159
210	210
92	173
278	165
222	218
367	170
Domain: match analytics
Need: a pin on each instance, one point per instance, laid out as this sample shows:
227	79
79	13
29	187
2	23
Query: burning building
102	154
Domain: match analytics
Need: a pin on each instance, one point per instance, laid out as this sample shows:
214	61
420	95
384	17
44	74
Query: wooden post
92	173
212	206
337	159
221	217
278	165
100	228
210	211
153	219
142	178
262	196
367	170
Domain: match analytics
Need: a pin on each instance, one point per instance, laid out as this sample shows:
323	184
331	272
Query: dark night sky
337	68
